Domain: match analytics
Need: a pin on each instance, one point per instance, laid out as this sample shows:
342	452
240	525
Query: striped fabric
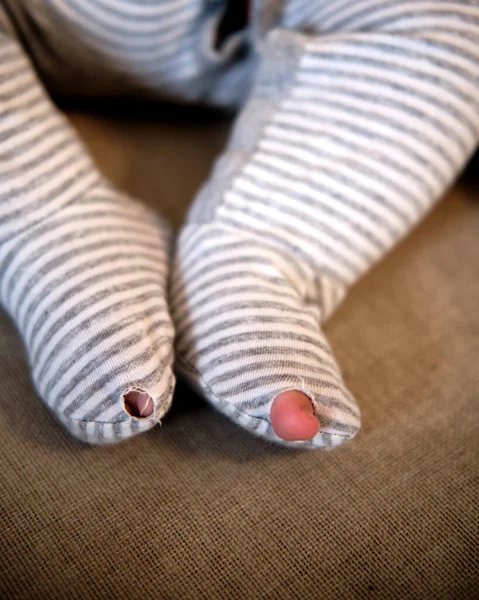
165	48
83	269
358	118
346	143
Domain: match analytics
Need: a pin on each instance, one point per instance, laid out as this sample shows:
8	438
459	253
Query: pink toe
139	404
292	417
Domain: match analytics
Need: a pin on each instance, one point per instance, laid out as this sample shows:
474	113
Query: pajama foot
86	287
249	338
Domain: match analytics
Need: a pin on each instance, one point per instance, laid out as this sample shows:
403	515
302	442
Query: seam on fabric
188	365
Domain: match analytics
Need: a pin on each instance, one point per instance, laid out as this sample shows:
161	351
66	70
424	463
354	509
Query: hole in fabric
138	403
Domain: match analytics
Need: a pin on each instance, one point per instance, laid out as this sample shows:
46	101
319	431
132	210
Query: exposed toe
293	418
139	404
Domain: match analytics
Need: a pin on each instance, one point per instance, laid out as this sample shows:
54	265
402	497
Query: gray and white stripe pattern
163	48
83	269
352	131
346	143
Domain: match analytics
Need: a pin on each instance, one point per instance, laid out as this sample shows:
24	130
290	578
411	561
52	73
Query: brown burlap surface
200	509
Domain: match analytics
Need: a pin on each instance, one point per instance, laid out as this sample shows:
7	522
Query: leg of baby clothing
83	269
347	141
